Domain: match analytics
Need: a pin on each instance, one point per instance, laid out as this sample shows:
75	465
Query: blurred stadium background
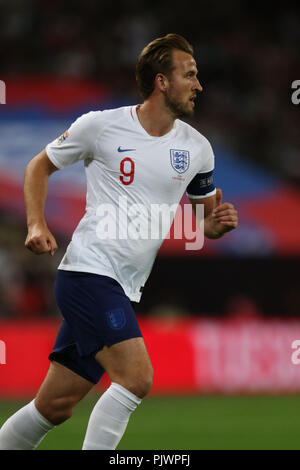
218	323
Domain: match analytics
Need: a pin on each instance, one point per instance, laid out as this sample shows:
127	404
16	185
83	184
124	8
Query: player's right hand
40	240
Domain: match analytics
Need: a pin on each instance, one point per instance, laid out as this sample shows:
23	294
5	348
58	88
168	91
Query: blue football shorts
96	313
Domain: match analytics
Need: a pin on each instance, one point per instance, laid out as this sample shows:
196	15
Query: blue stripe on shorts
96	313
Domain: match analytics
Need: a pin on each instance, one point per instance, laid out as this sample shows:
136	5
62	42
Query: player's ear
161	81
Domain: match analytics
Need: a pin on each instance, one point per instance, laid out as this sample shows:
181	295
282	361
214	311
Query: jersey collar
134	118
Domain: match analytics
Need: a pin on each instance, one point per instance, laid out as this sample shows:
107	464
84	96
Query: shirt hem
101	272
52	157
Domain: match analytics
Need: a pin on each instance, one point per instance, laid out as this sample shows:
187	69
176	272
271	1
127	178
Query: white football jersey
126	168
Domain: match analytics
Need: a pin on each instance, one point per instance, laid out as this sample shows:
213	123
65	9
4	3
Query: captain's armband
201	186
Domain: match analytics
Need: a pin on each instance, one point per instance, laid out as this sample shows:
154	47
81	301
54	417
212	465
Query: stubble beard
177	108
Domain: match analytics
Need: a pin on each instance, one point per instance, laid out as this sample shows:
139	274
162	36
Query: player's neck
156	120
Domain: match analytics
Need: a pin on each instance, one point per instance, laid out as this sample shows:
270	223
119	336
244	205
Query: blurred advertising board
190	356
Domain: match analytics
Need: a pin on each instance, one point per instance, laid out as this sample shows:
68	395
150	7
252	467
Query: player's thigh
128	363
62	388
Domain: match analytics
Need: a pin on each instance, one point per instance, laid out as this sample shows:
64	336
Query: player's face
183	85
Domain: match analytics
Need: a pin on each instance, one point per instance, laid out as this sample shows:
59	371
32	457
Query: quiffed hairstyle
156	58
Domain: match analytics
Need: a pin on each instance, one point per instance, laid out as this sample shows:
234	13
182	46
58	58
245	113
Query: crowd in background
247	57
26	280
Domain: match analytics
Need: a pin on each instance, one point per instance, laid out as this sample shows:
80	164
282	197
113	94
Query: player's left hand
224	217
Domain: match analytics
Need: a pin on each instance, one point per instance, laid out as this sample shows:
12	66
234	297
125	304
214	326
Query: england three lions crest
180	160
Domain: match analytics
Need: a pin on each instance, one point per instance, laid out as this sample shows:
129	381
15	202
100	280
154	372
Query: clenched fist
40	240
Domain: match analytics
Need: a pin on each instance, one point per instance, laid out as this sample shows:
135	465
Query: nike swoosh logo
125	150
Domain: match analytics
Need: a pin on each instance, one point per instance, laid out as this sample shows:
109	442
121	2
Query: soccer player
148	155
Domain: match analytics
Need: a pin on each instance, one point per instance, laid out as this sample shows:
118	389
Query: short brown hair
156	58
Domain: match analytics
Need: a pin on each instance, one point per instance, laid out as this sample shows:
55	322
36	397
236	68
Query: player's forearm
35	191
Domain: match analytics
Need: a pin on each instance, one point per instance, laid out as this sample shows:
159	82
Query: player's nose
198	86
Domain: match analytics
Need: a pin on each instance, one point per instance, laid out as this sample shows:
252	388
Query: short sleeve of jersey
76	143
202	184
